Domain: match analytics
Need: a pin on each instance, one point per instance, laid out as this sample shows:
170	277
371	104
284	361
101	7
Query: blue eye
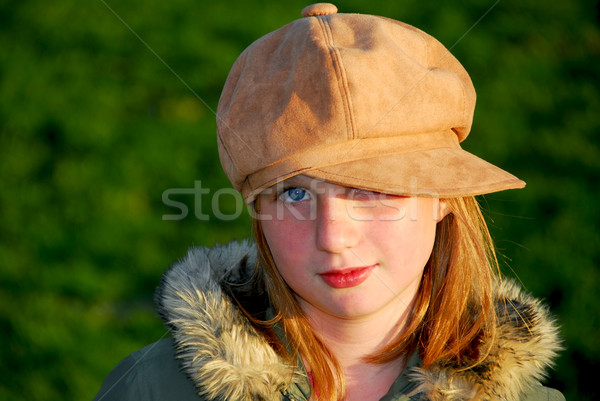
295	194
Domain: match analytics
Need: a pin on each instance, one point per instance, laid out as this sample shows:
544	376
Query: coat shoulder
519	354
541	393
151	373
218	347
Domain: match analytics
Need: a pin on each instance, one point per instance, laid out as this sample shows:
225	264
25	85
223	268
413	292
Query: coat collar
227	359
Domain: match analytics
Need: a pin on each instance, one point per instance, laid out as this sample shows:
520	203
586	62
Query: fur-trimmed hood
227	359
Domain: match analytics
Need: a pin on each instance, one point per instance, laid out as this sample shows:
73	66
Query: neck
352	340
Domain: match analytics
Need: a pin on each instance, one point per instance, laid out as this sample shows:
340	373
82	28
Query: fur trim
220	351
227	359
526	344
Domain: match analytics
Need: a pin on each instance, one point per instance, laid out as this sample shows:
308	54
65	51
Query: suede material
366	99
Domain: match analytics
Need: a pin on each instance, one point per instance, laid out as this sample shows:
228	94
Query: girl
373	276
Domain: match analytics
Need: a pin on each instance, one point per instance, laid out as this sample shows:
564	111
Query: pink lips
347	278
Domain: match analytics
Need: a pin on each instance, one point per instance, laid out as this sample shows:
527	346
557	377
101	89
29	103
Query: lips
347	278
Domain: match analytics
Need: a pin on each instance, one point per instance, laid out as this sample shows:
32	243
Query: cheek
409	242
410	247
288	244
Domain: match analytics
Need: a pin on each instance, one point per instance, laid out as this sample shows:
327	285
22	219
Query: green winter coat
215	354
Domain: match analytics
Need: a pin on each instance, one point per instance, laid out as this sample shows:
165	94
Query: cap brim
443	173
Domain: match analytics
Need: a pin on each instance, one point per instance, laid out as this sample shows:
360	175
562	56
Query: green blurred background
106	105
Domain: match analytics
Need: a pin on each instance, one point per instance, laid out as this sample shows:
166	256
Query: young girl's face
346	252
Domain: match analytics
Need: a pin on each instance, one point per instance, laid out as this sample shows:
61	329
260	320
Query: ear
442	210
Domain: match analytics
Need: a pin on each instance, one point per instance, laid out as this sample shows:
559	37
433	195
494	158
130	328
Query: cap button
319	9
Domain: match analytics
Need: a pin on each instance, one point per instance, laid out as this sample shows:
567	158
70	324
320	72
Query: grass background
104	105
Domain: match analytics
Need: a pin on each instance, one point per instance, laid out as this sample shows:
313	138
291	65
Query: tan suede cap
357	100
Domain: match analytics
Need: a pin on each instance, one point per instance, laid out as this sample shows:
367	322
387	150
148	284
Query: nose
336	229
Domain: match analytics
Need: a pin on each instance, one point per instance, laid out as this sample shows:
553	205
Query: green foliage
105	105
